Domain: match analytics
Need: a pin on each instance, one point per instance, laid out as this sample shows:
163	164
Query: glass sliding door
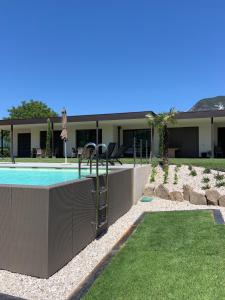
140	135
85	136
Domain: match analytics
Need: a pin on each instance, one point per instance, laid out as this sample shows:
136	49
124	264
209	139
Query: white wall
204	126
109	132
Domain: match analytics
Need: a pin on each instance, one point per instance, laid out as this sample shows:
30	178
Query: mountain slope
208	104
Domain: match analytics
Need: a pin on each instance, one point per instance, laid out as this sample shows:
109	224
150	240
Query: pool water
40	176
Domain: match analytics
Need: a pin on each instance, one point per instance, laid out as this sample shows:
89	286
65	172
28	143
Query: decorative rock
221	200
162	192
212	196
176	196
187	189
149	190
197	198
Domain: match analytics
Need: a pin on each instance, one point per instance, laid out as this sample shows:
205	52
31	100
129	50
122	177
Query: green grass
211	163
61	160
171	255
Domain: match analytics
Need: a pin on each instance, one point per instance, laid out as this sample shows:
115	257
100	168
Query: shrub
175	179
153	174
165	176
220	183
206	171
176	169
193	173
205	179
190	167
219	176
206	187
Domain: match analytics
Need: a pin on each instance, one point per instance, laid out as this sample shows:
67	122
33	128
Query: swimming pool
40	176
44	225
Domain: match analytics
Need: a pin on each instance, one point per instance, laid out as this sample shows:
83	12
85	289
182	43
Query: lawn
212	163
171	255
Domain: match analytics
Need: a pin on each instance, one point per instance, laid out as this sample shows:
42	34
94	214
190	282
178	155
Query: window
139	134
86	136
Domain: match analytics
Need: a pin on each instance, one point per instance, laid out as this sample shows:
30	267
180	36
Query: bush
205	179
207	171
175	179
193	173
219	176
165	176
153	174
190	167
206	187
220	183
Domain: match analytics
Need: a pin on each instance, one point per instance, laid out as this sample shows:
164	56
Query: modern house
195	134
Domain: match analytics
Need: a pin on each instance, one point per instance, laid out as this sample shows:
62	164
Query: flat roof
80	118
200	114
115	116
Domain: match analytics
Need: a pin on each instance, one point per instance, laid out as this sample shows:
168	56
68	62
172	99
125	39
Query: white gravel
64	282
184	177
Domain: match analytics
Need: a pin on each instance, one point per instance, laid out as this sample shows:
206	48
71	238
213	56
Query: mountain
214	103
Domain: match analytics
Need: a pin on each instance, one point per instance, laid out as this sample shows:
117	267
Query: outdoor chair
85	153
115	157
218	151
102	156
74	152
40	152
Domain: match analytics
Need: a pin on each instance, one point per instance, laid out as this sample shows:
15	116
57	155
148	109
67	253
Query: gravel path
64	282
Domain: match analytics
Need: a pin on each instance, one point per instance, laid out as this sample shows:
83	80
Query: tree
161	122
30	110
48	139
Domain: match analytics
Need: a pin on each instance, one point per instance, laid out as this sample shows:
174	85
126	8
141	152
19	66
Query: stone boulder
162	192
221	200
176	196
212	196
187	189
149	190
197	198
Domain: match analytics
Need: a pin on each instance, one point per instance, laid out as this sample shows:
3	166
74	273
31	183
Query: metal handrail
98	183
97	191
95	147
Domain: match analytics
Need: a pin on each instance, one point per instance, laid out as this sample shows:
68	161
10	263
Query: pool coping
87	283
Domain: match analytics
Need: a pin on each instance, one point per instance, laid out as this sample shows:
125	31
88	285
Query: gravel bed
63	283
184	177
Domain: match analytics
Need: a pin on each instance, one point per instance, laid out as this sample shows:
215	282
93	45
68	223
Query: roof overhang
81	118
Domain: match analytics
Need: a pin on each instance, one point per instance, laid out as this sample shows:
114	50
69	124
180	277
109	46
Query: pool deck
61	165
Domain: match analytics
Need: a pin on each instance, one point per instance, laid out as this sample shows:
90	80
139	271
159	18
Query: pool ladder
100	192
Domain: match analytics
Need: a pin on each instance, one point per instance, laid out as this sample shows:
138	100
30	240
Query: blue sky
111	56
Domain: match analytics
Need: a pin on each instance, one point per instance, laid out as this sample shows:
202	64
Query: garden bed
187	183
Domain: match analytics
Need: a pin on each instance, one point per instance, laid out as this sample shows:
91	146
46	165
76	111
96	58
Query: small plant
220	183
205	179
153	174
219	177
190	167
165	176
206	187
177	168
175	179
207	171
193	173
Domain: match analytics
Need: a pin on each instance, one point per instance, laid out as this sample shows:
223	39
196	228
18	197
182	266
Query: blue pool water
39	176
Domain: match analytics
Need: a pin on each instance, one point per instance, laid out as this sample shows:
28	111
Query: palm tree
161	122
